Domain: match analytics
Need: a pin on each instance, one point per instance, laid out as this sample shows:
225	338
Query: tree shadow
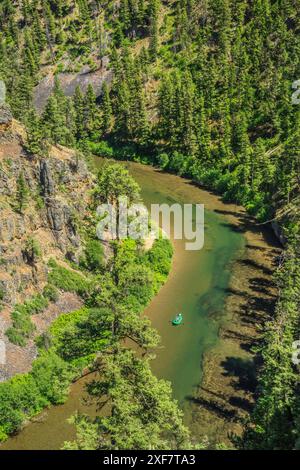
243	370
217	408
255	265
241	403
262	286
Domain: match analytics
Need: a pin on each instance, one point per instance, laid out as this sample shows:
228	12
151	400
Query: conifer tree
53	121
91	117
153	15
78	101
35	136
22	193
106	109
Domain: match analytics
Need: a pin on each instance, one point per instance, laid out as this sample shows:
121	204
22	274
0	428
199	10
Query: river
196	286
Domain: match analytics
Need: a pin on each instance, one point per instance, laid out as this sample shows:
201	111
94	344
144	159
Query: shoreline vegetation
69	346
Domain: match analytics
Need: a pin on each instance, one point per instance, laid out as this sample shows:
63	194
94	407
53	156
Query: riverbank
199	284
225	397
226	394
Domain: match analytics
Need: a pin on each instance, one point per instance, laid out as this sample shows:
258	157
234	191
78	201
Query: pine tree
106	109
187	112
153	18
78	101
35	136
53	121
70	123
22	193
91	117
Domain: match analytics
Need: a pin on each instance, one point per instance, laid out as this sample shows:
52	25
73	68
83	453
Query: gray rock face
69	82
2	92
55	215
46	179
57	197
11	227
5	115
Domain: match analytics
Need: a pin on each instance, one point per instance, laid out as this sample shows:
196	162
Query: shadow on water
241	369
213	406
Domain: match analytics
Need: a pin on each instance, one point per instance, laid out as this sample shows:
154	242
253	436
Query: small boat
178	319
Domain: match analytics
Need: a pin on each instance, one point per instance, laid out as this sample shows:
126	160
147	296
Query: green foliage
115	181
78	336
52	376
32	251
208	96
25	395
163	160
22	193
144	412
19	399
93	259
36	143
160	256
51	292
69	280
102	149
274	423
22	327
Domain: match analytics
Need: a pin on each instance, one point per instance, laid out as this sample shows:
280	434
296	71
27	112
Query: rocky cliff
42	201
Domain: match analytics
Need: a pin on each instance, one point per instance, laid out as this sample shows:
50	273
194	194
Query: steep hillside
43	201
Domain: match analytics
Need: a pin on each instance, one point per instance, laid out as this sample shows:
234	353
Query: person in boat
177	319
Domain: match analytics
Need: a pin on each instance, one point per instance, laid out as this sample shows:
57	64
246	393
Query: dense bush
160	256
93	259
69	280
102	149
51	292
26	395
22	326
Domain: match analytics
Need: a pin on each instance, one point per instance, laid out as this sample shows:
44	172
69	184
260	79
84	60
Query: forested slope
200	87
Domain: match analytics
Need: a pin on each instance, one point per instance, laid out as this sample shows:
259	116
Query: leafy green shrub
80	334
160	256
93	256
22	326
15	336
64	322
25	395
69	281
178	163
136	282
52	376
19	400
102	149
163	160
51	292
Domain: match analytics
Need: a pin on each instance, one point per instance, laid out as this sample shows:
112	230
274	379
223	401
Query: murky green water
196	286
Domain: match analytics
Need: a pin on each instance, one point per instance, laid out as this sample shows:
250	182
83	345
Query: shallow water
196	286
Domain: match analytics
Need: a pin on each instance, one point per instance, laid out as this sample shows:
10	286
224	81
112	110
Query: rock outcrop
56	200
5	118
55	203
69	82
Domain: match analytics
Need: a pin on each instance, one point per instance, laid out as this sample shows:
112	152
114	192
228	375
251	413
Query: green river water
196	286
